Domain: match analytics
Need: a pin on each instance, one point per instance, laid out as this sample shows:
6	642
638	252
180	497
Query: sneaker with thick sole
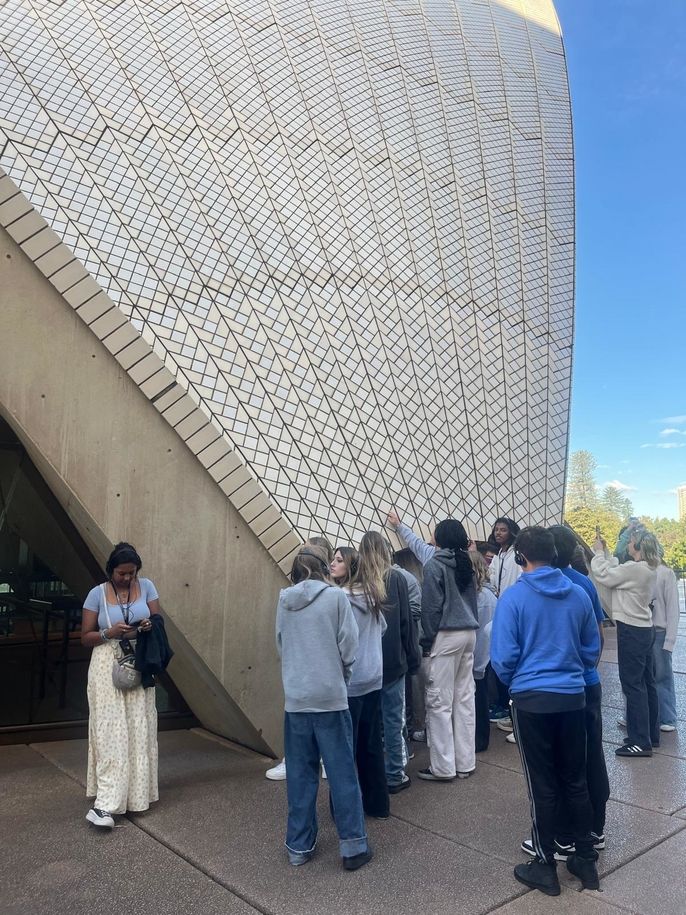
539	876
277	773
511	738
497	714
401	786
562	852
585	870
466	774
504	724
355	862
428	776
629	750
100	818
668	728
598	840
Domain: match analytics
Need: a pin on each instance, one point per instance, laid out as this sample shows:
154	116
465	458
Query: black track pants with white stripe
553	751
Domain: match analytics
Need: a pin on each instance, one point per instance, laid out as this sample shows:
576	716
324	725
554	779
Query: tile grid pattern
345	229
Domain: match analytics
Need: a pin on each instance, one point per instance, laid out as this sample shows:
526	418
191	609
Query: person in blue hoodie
317	640
543	639
596	770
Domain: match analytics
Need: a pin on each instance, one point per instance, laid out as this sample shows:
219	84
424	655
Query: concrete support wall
121	472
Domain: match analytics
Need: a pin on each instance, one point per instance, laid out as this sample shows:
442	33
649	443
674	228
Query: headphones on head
324	565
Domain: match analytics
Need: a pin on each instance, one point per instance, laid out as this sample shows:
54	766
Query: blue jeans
310	736
664	679
393	712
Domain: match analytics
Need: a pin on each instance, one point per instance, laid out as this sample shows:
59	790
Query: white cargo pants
450	715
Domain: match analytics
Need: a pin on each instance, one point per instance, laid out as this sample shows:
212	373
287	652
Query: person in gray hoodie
317	640
449	624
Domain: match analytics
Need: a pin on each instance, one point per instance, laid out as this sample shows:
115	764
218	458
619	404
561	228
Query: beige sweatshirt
625	590
666	604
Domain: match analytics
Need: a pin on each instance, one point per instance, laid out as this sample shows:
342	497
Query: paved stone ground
213	843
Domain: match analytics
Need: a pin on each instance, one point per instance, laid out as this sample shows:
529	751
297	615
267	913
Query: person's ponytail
451	535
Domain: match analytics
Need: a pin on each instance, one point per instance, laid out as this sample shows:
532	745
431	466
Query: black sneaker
401	786
629	750
428	776
357	861
538	875
100	818
598	840
585	870
562	852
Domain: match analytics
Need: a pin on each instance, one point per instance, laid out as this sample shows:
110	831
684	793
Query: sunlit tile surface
346	227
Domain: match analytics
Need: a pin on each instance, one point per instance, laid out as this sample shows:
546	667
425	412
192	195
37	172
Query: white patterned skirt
122	739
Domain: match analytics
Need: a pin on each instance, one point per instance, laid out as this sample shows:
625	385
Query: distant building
681	496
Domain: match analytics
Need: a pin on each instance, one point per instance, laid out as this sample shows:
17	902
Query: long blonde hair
648	546
481	573
372	570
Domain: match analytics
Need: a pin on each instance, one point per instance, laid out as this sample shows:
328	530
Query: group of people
510	631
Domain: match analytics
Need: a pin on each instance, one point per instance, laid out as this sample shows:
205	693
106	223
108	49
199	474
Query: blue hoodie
544	634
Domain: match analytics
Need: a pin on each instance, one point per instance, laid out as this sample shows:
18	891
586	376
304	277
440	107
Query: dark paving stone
54	862
654	882
490	812
571	902
657	783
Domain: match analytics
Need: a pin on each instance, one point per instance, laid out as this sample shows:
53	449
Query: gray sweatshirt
415	592
368	667
443	605
316	637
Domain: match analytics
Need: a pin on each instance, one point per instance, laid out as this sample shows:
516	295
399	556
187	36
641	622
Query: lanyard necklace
125	607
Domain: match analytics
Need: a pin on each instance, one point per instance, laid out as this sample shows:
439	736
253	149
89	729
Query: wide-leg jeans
310	736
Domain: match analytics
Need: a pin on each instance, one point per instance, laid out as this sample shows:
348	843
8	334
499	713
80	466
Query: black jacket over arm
152	650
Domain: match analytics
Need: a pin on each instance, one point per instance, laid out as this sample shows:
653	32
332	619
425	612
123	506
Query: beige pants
450	717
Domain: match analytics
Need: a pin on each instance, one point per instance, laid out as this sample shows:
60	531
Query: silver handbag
124	673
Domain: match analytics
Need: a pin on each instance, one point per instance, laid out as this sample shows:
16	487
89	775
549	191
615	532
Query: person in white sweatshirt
666	623
626	591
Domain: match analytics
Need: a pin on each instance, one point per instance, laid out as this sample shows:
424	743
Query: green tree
584	520
613	501
581	490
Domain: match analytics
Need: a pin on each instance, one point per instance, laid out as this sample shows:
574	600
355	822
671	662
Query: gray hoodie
443	606
316	637
368	668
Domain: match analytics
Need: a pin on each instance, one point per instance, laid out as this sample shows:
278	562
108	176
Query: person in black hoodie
400	655
449	623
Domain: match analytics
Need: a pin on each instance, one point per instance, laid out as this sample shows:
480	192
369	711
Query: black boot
539	875
586	870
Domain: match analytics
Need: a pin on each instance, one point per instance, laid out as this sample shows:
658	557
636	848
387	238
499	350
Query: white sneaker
668	727
277	773
511	738
621	722
324	775
100	818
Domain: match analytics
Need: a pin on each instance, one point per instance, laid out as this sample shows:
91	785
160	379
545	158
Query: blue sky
627	70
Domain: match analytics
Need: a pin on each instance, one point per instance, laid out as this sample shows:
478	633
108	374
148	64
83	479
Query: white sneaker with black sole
100	818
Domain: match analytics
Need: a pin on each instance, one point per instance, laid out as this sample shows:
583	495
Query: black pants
637	676
368	743
553	751
482	732
498	693
596	771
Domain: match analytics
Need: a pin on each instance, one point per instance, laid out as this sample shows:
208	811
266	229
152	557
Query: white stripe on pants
450	717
